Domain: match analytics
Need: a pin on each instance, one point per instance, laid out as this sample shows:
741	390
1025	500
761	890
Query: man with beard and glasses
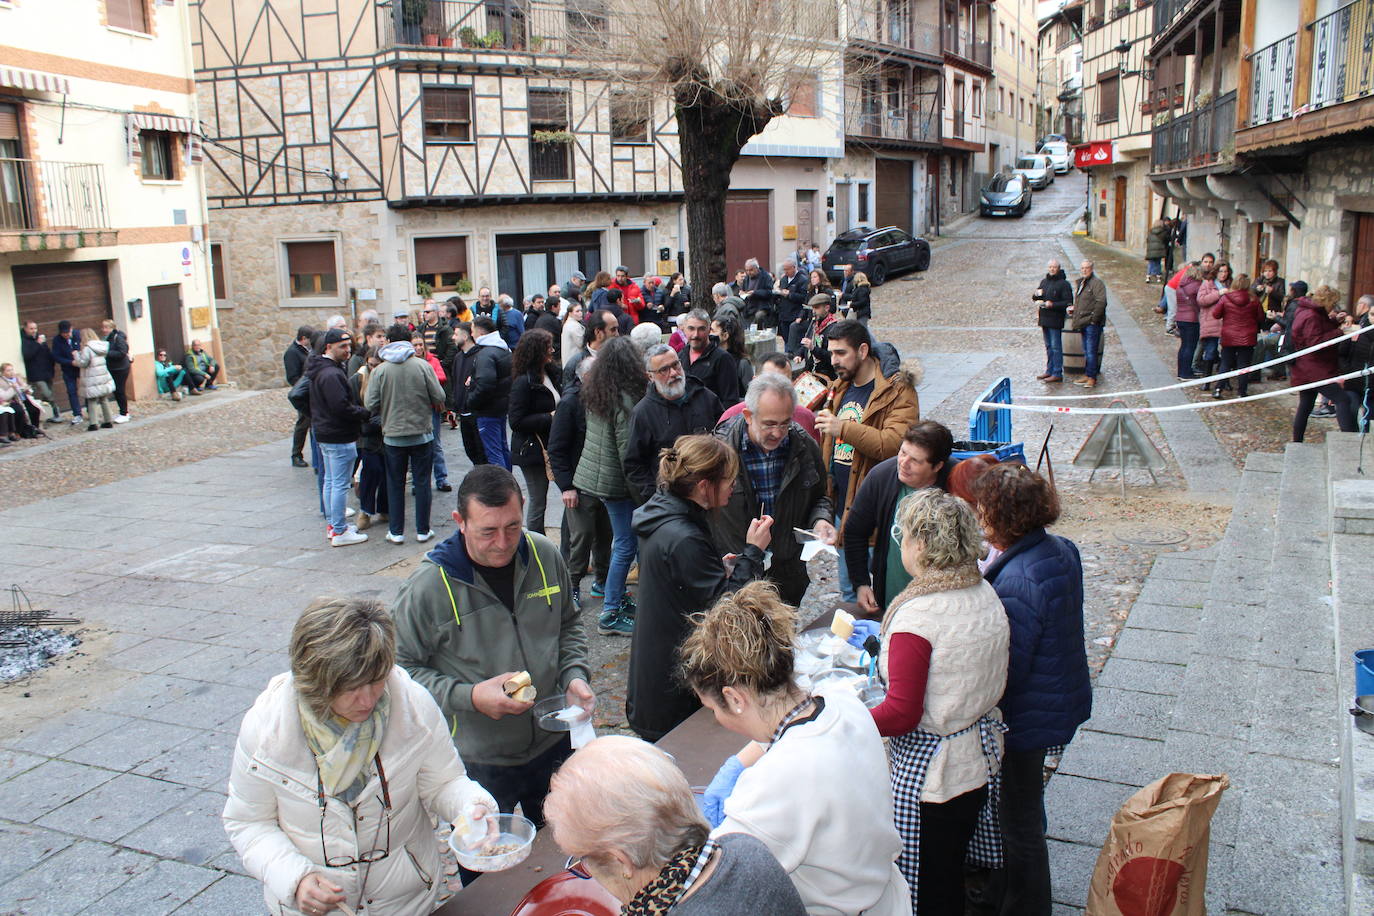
674	405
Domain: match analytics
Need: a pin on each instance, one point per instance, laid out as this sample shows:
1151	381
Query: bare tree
728	67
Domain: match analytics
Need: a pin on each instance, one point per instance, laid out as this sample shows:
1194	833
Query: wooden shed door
164	302
894	193
1362	268
48	293
1119	224
746	231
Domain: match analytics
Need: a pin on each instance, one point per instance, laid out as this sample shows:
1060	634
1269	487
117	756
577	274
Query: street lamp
1124	50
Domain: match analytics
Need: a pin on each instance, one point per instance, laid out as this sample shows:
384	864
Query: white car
1036	169
1059	154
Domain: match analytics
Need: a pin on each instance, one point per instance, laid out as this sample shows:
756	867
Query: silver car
1037	169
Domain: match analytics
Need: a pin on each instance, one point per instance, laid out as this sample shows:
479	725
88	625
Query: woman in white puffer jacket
338	767
97	384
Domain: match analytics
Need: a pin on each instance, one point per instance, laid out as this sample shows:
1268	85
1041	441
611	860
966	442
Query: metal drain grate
1150	535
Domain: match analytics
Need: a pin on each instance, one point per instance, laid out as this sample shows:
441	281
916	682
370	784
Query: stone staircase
1237	659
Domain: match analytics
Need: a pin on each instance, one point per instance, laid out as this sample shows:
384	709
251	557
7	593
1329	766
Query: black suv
879	253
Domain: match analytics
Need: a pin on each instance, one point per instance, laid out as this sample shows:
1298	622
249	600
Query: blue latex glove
862	630
722	784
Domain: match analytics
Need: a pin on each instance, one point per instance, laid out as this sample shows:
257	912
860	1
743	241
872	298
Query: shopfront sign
1099	152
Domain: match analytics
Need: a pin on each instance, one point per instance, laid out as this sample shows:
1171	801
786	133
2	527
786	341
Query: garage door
746	231
894	193
48	293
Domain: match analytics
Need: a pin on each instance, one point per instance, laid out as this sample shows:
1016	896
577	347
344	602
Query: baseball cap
334	335
400	313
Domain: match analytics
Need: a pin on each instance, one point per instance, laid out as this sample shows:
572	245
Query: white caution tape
1200	381
1191	405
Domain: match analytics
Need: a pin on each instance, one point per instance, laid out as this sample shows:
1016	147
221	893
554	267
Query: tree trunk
711	132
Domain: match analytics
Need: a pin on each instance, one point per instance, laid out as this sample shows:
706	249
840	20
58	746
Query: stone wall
1340	183
1142	205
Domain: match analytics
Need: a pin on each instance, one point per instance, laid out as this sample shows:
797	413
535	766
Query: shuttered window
441	262
127	14
9	122
448	115
1108	96
217	269
311	269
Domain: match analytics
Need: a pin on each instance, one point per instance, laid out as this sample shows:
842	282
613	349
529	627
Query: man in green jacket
485	604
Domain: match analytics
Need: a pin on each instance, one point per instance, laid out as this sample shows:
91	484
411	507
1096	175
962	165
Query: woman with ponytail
680	574
813	782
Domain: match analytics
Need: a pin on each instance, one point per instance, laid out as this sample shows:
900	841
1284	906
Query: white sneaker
77	421
396	538
350	536
424	537
122	418
349	512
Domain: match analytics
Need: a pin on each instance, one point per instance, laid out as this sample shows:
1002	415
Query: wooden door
1362	266
746	231
894	192
164	305
806	218
77	292
1119	224
841	207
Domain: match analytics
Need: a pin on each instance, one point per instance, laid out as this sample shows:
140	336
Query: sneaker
349	512
195	391
423	536
614	625
350	535
364	521
395	538
628	608
298	462
56	419
598	589
122	418
577	597
107	425
1324	412
176	395
76	420
1172	332
212	388
444	487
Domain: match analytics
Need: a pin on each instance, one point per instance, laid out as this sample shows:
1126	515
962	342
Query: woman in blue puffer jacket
1039	578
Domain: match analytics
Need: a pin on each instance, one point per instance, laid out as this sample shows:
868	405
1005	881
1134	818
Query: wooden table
699	745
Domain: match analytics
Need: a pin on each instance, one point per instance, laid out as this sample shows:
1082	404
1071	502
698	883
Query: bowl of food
505	847
555	715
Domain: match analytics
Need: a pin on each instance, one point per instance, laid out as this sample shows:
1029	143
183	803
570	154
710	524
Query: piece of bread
843	624
520	688
525	694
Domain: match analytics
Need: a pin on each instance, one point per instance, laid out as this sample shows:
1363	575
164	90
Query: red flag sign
1099	152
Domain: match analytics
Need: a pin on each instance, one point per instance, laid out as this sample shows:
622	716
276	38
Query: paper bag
1154	862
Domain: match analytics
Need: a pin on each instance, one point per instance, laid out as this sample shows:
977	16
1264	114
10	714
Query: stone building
966	39
1011	116
1060	70
101	178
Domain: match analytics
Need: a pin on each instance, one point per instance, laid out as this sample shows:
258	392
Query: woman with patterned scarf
945	641
812	784
625	813
338	767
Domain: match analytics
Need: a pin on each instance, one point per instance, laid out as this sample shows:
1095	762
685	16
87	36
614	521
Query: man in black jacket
703	360
675	405
489	390
436	332
337	420
586	524
40	368
118	361
781	475
756	289
791	296
460	380
543	316
293	361
1052	298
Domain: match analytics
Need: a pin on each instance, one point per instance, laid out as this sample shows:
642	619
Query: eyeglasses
773	427
670	369
575	867
373	855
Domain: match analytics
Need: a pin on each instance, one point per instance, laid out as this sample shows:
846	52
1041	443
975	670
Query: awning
32	79
169	123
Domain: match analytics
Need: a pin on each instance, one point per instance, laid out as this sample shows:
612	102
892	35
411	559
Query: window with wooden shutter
1108	96
448	115
127	14
441	262
311	269
217	270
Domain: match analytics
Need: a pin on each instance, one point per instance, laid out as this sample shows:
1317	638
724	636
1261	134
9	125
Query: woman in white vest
812	785
945	642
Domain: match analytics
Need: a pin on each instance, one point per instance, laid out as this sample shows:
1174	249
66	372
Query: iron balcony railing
961	43
1165	11
1343	55
1196	139
510	25
895	124
43	195
879	24
1271	98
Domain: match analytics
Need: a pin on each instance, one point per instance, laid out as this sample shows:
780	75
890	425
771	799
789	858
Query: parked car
1037	170
879	253
1058	151
1005	194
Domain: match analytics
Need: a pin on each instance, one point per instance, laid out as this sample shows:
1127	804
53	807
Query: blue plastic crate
992	425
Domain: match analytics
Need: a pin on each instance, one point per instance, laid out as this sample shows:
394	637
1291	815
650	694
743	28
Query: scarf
930	581
661	894
343	749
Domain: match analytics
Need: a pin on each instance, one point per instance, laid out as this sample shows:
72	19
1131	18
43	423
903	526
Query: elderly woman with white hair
624	813
945	645
339	767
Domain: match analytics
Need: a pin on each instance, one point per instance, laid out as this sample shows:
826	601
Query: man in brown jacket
1089	311
872	404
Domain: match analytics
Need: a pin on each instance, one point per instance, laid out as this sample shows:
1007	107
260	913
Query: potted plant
493	39
1094	22
446	40
552	136
1202	100
1162	118
425	289
465	287
1121	9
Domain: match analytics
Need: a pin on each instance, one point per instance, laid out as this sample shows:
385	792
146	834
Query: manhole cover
1150	535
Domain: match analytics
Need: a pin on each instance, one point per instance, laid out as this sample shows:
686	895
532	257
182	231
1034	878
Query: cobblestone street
187	545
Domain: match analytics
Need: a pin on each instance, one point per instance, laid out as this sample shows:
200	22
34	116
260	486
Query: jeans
440	466
121	380
317	462
589	536
71	380
338	479
1026	855
1237	358
418	458
1054	350
1153	267
526	785
1267	348
623	546
946	829
1092	350
492	431
373	498
1345	416
537	485
1187	345
1170	306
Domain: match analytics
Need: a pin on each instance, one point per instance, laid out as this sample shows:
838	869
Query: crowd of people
667	454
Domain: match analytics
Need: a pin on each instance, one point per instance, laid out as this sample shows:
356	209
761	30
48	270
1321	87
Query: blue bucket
1364	672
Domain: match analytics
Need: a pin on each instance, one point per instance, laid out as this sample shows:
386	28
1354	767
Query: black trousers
1345	415
525	785
472	442
299	432
121	380
1025	854
946	829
